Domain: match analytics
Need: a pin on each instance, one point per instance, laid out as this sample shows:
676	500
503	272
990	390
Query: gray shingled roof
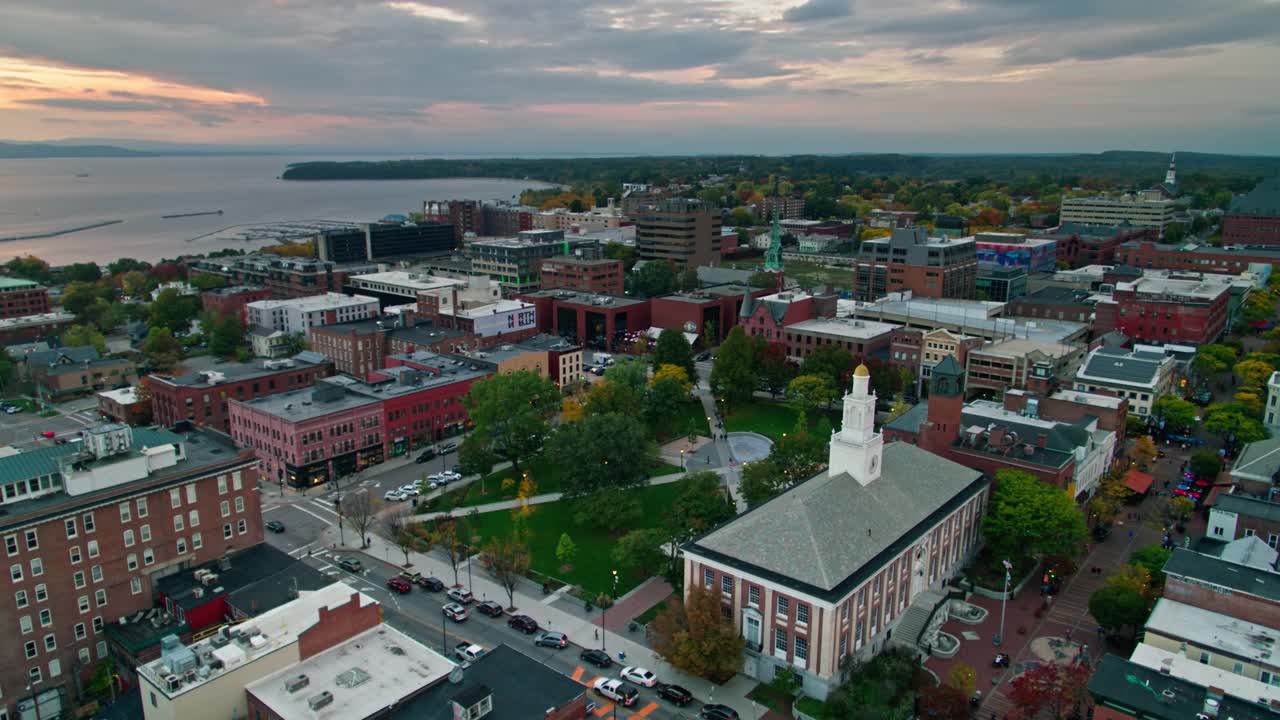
78	354
1119	365
1216	571
911	420
1263	200
1247	505
1259	460
823	531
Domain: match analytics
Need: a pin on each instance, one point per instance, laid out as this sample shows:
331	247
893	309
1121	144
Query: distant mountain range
47	150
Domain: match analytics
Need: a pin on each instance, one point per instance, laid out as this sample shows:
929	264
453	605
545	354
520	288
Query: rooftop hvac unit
294	684
209	579
321	700
172	683
197	592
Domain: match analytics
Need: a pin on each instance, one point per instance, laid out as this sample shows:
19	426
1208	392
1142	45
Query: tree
202	281
741	217
450	534
1178	414
733	376
673	349
572	409
900	407
599	452
772	368
1143	451
669	387
82	272
1253	373
1116	607
510	412
1131	577
226	333
294	343
700	506
760	481
653	279
800	453
78	297
566	551
610	510
695	637
133	283
831	361
640	551
475	457
507	560
1258	307
625	253
1213	360
1059	688
30	268
944	702
1030	517
1152	558
963	678
762	279
173	310
808	392
162	349
1231	422
630	372
397	526
607	397
1206	464
127	265
1174	233
360	510
82	335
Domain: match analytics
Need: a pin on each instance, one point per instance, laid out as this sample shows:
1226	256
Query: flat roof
708	294
857	329
11	283
1205	287
327	301
124	396
370	672
413	280
242	569
491	308
1087	398
1209	629
298	405
522	688
407	380
1205	675
575	297
236	372
40	319
1148	693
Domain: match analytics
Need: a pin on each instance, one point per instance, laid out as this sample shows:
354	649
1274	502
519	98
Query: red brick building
601	321
20	297
717	307
1186	309
1052	302
1254	218
767	316
568	272
284	277
1230	259
1080	245
911	260
361	347
904	349
226	300
201	397
32	327
859	337
86	541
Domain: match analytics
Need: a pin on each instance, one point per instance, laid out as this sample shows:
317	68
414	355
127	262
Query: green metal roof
33	463
8	283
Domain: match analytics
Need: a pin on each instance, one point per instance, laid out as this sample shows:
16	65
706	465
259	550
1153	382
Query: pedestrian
597	633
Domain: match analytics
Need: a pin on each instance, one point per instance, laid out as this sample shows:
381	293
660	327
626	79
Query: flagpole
1003	601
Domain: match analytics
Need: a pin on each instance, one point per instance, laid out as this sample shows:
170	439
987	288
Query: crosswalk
88	418
604	707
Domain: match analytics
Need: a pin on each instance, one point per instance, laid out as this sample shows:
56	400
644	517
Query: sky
647	76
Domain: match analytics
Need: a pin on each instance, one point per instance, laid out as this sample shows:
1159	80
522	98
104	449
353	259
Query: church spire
856	448
1171	177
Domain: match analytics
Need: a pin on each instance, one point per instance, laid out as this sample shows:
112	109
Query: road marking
647	709
577	673
300	549
603	709
325	506
273	507
326	521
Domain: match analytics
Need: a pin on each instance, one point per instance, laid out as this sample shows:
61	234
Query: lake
40	195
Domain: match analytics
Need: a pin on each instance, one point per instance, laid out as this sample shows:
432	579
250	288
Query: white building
1132	209
1271	415
298	315
1142	377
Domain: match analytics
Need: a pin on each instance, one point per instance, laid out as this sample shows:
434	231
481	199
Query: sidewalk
581	626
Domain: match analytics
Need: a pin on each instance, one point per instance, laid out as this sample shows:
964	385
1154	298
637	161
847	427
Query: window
708	577
11	544
80	632
24	623
178	525
83	603
802	613
55	668
726	584
135	585
125	515
100	598
20	599
226	532
191	493
33	540
15	572
75	554
34	675
753	596
131	561
50	642
145	533
37	567
31	649
802	650
240	504
71	528
93	548
780	642
142	507
148	556
844	645
193	518
784	606
242	527
1272	540
1217	530
1204	658
95	572
128	538
87	521
236	482
175	497
197	541
97	628
222	484
46	617
83	656
182	545
78	579
225	508
42	593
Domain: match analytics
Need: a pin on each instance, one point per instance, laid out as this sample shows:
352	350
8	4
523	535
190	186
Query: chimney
409	317
1041	439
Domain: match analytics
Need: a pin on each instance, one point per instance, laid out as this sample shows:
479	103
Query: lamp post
604	611
444	632
1008	568
682	451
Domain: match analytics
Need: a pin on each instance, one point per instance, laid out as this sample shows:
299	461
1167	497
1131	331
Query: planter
967	613
945	645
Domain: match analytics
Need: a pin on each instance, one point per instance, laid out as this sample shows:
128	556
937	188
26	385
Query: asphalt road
418	614
23	429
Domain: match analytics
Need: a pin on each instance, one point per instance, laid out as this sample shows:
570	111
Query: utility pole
1008	568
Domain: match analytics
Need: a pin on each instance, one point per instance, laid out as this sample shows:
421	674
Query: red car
399	585
48	433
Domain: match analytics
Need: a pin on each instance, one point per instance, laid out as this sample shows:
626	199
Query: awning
1138	482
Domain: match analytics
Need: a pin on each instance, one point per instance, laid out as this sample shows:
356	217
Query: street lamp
1008	568
682	451
444	632
604	612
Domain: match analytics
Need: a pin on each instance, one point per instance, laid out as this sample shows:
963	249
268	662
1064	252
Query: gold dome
862	371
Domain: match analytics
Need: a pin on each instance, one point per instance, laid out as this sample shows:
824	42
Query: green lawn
689	414
647	616
770	419
542	471
593	567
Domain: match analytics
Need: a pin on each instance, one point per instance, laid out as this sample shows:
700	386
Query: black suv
433	584
718	712
596	657
490	608
523	623
675	694
426	456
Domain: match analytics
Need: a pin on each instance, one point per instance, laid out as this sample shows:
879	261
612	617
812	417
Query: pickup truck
466	652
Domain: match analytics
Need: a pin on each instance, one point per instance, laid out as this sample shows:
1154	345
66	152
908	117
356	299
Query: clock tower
946	403
856	448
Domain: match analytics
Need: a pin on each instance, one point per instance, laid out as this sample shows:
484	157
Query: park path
635	603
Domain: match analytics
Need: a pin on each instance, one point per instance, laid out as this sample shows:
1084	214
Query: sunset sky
604	76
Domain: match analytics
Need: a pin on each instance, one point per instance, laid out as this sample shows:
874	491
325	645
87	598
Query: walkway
635	603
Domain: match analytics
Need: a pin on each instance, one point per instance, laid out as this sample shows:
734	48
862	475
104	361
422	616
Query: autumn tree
899	408
672	348
944	702
963	678
808	392
640	551
830	361
162	349
511	410
772	368
1178	414
1233	422
609	396
1059	688
360	510
451	535
695	637
397	527
571	409
1213	360
507	560
1143	451
1253	373
84	335
1152	559
1030	517
670	387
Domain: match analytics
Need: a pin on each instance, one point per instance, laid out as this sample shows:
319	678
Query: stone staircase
916	618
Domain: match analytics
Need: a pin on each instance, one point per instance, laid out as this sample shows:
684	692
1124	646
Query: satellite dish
455	675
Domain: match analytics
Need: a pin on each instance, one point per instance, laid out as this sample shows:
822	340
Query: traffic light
1182	382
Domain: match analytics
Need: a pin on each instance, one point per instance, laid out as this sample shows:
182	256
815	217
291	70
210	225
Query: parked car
350	564
467	652
675	694
490	608
393	496
616	690
639	676
523	623
437	480
399	585
450	476
556	640
702	357
434	584
48	434
461	596
426	456
275	526
455	612
448	447
410	490
411	577
597	657
717	712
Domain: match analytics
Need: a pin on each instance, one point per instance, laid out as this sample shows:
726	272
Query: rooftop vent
315	702
294	684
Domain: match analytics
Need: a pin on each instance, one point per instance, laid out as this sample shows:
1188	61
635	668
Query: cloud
819	10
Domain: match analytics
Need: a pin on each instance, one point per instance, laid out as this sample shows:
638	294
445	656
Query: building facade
285	277
33	327
1254	218
859	338
297	316
1181	309
568	272
374	241
911	260
231	300
202	397
1229	259
682	232
598	321
1139	376
710	312
1001	284
20	297
1016	250
1054	302
1132	209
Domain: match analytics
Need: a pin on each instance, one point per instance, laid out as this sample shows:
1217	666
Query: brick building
20	297
466	216
224	301
549	356
1058	303
201	397
1033	356
1230	259
911	260
859	337
790	207
805	597
568	272
1178	308
767	316
683	232
124	406
285	277
33	327
1080	244
90	527
1254	218
360	347
717	307
599	321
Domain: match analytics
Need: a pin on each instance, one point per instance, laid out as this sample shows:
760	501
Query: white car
410	490
438	480
639	676
451	476
393	496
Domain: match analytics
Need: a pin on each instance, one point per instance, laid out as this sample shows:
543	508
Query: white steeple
1171	177
856	448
